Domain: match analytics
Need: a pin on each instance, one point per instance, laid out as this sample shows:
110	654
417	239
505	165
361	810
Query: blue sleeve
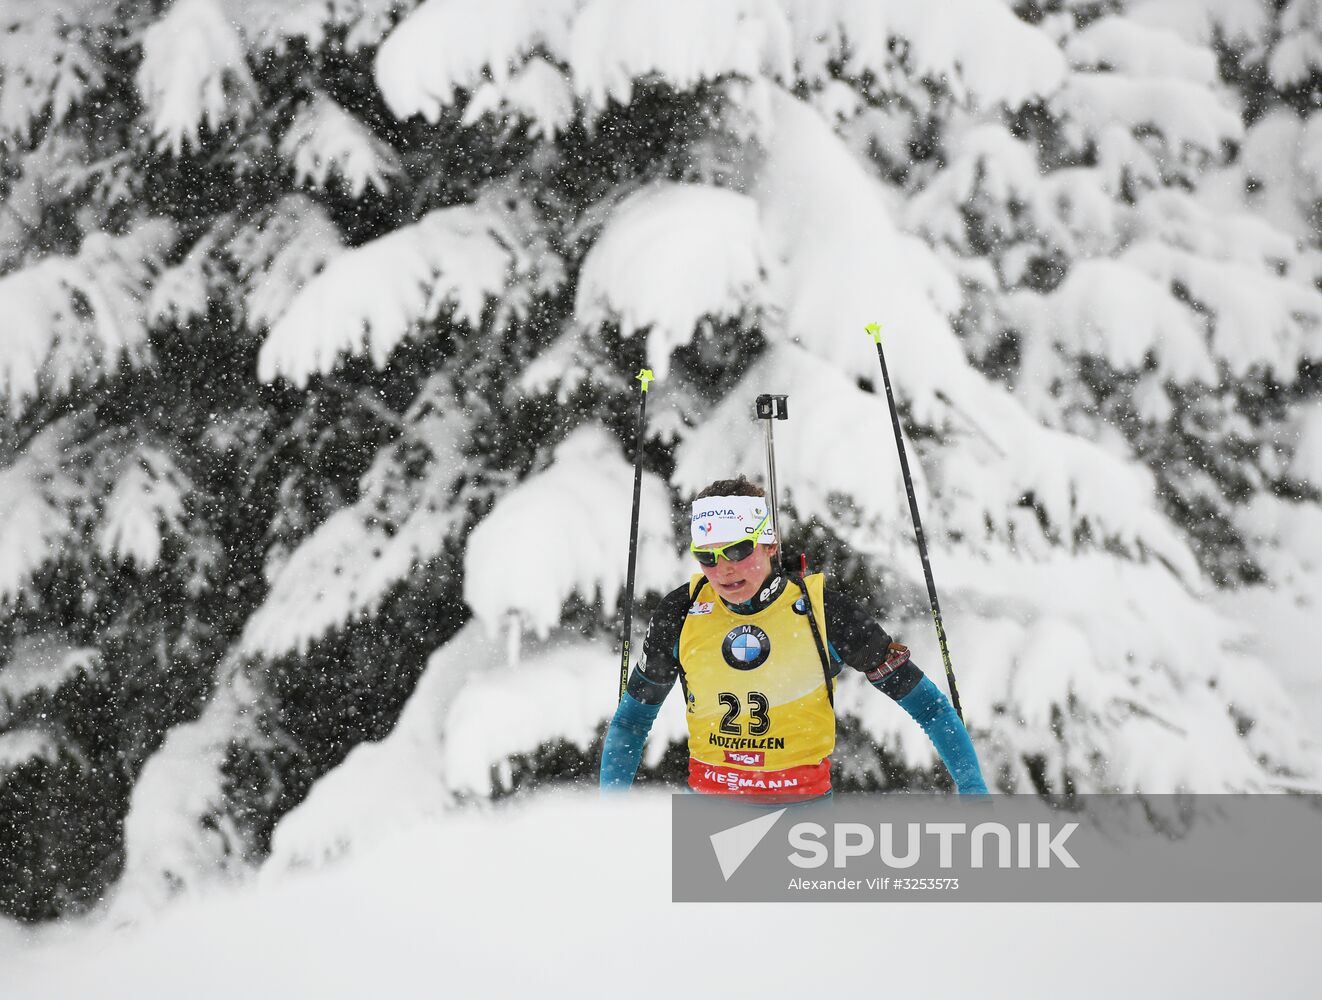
932	710
623	747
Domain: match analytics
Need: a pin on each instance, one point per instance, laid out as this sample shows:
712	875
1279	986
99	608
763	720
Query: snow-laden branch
38	667
274	25
41	664
1109	673
996	177
1200	225
833	459
194	71
1136	49
146	503
37	517
75	319
1298	53
46	68
1306	461
25	744
109	495
1229	312
684	42
669	256
536	92
978	48
446	46
575	514
1203	22
1186	115
279	252
368	299
327	141
185	291
1286	534
843	262
1083	495
406	512
1281	166
1259	318
1110	309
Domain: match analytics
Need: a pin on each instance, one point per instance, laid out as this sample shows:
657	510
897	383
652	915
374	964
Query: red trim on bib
803	782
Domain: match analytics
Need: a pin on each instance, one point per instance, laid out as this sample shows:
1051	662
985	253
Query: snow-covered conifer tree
319	324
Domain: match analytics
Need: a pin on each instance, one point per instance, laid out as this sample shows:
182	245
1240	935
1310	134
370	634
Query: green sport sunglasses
736	551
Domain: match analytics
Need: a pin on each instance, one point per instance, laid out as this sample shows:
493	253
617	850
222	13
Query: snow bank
472	709
552	897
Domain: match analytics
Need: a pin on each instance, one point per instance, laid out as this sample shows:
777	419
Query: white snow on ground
569	896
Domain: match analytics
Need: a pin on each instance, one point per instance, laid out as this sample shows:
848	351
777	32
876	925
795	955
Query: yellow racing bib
757	695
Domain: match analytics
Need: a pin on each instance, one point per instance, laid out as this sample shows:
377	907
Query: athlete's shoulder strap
696	585
816	632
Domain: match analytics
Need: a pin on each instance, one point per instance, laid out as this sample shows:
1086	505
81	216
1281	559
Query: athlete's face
736	582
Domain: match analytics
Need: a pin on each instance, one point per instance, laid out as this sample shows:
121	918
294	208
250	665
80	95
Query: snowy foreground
567	895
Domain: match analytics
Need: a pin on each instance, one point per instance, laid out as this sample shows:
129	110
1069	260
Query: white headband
720	520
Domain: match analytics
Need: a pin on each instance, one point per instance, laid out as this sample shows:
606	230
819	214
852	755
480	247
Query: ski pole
769	407
874	330
644	376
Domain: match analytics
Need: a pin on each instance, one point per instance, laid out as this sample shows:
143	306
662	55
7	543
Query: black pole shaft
918	534
770	407
771	493
633	534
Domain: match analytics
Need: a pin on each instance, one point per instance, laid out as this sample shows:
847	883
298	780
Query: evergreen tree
319	325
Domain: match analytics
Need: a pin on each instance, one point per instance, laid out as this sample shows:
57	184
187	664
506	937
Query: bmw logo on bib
746	647
800	607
